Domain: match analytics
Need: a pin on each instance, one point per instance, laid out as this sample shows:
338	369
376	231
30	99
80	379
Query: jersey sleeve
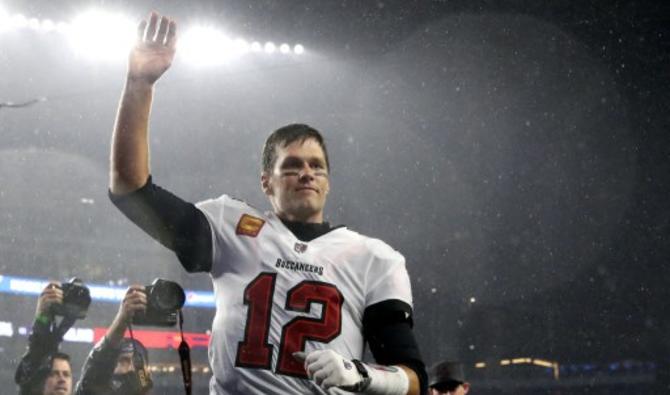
222	214
387	278
173	222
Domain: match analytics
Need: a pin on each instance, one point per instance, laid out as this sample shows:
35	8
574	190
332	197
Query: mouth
307	189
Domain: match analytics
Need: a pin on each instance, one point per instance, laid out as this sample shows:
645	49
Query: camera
76	299
164	299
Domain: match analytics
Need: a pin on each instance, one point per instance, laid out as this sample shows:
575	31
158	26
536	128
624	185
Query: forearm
388	329
414	384
41	343
130	141
115	332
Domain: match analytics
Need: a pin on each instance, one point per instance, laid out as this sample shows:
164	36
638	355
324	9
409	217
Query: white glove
329	369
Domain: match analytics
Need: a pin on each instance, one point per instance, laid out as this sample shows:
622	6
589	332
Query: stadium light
18	21
34	23
269	47
207	46
47	25
256	46
62	27
241	46
100	35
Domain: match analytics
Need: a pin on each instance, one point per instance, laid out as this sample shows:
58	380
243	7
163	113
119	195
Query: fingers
171	40
162	30
52	294
300	356
159	30
135	300
329	369
150	33
315	362
135	287
52	291
320	377
135	294
140	30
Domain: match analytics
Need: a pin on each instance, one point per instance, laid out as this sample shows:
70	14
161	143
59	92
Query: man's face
124	363
298	184
450	389
59	380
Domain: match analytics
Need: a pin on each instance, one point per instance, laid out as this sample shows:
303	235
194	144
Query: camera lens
167	295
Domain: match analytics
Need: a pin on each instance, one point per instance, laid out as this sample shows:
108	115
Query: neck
308	219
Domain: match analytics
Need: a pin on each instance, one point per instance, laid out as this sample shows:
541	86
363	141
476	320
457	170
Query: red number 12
255	351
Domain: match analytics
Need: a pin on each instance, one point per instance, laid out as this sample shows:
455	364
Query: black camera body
76	299
164	300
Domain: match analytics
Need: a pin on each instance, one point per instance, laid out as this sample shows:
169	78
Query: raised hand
135	300
154	50
52	294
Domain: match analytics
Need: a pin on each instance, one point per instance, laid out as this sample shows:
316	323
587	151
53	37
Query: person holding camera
44	370
117	365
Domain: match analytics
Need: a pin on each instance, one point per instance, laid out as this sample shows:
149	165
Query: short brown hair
285	136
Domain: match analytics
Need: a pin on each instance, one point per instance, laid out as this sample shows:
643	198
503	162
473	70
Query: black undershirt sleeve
173	222
387	327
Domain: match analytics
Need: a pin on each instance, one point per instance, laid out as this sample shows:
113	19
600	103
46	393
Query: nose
306	173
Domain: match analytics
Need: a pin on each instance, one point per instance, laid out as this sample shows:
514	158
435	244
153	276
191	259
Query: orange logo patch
249	225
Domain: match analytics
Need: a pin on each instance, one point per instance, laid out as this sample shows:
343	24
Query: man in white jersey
296	299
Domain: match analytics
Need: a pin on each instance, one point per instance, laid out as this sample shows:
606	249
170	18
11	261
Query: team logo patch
300	247
249	225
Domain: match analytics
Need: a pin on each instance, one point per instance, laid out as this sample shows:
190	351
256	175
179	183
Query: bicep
172	221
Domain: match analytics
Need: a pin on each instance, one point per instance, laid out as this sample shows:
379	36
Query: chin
304	211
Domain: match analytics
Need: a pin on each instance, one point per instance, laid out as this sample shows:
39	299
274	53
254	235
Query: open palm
154	50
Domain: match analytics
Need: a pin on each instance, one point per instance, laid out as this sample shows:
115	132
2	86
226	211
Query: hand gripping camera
76	299
164	299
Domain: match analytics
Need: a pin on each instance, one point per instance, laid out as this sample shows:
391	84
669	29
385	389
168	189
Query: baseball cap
130	345
444	372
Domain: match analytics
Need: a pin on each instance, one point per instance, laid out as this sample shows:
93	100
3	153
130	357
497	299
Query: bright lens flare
256	46
270	47
4	20
48	25
207	46
101	36
18	21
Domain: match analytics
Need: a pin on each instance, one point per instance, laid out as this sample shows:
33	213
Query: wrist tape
386	380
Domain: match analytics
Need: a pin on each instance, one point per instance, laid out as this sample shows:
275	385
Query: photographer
43	370
116	365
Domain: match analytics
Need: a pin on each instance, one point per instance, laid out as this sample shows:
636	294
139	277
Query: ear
265	184
466	387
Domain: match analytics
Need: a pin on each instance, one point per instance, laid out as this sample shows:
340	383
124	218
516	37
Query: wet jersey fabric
276	295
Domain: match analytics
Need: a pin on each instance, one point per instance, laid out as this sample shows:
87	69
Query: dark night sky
515	152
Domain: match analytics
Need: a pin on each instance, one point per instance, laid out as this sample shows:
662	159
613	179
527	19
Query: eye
318	165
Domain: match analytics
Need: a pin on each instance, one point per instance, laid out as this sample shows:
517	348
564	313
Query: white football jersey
276	295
